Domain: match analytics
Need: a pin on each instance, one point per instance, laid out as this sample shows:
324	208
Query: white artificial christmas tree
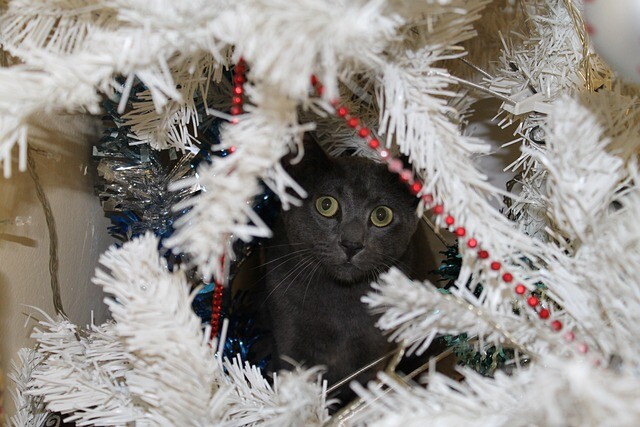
411	71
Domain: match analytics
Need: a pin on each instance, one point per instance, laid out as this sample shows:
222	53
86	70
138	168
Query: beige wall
24	250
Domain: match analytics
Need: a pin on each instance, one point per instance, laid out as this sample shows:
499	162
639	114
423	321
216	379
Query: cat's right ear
314	159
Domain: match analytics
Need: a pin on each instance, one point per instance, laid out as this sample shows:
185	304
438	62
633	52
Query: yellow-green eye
381	216
327	206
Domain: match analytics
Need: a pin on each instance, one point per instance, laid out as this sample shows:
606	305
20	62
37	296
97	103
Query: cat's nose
351	248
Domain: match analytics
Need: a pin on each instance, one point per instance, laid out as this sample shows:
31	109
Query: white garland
155	366
556	394
414	313
30	410
582	176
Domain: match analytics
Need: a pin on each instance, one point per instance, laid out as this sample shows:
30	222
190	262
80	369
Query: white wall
80	225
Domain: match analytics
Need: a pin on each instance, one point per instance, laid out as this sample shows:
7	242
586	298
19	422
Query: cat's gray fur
314	279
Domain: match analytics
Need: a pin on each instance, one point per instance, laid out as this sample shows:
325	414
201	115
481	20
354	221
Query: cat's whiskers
390	261
306	259
289	257
375	273
284	244
309	281
299	251
302	270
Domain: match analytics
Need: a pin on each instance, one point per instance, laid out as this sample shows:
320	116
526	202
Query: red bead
427	198
236	100
483	254
569	336
495	266
556	325
507	277
320	90
342	112
583	348
438	209
472	243
353	122
235	121
544	313
239	79
314	80
395	165
363	132
533	301
520	289
384	154
416	187
460	231
236	109
232	149
238	90
406	175
374	143
449	220
241	67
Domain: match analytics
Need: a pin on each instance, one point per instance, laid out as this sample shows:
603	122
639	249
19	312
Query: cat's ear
313	160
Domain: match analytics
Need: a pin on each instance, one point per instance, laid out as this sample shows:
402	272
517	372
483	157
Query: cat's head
358	219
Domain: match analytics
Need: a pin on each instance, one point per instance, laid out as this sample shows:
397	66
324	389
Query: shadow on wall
73	136
61	149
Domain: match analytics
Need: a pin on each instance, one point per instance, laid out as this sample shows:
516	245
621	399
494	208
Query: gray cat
357	221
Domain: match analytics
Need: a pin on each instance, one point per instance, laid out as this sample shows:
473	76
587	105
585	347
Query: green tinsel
485	360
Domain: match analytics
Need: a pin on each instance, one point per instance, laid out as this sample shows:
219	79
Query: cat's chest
329	314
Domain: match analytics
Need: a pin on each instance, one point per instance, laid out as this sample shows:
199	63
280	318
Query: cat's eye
381	216
327	206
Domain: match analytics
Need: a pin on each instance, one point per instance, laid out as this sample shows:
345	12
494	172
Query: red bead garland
416	187
239	80
216	309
